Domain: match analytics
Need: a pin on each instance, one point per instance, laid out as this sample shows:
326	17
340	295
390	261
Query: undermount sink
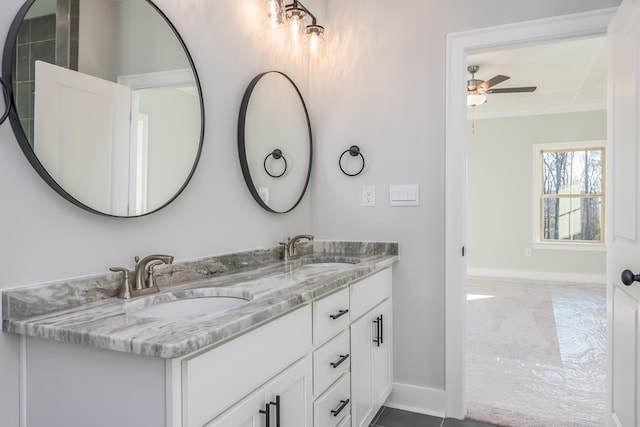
193	306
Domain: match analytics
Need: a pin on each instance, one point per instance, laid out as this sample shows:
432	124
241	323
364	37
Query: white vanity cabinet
74	385
325	364
371	347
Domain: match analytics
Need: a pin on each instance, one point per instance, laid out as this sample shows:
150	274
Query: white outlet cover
368	195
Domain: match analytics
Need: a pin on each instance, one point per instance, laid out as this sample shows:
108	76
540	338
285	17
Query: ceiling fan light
474	99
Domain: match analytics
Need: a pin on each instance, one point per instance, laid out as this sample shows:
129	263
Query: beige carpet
536	353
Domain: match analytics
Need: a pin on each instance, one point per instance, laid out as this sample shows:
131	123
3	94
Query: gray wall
500	201
381	85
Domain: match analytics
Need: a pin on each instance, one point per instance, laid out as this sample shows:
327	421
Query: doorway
536	296
459	46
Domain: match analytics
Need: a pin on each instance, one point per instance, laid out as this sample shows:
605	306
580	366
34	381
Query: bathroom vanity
309	345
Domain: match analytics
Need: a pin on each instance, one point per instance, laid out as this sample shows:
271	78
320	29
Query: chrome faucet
289	248
144	281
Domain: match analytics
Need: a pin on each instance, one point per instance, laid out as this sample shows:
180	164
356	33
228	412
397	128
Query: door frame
459	45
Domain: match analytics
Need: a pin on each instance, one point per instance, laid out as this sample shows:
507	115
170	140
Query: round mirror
106	102
274	142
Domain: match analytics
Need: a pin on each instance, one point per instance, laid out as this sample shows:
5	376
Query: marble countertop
86	311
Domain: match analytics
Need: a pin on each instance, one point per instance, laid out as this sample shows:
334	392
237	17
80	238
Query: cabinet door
290	395
381	360
244	414
361	396
371	370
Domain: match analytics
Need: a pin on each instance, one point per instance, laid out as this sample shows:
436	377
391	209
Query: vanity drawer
331	408
369	292
330	361
346	422
211	384
330	316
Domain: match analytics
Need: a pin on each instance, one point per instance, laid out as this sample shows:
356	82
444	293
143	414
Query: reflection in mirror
274	142
6	93
108	106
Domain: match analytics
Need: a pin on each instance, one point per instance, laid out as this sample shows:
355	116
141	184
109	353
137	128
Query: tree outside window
572	199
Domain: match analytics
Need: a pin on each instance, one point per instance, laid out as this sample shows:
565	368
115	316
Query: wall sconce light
274	10
299	34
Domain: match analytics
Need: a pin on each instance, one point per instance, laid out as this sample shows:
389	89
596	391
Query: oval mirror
106	102
274	142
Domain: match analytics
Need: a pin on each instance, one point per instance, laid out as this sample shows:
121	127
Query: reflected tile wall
50	38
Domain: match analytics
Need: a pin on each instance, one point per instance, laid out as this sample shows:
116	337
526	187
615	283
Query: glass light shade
315	41
476	99
296	27
274	13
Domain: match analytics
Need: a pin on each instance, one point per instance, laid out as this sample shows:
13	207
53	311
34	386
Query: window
571	193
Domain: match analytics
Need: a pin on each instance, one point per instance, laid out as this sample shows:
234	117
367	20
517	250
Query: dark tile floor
390	417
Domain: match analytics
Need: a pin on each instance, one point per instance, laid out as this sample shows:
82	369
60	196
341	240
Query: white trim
571	246
422	400
547	276
158	79
23	380
535	111
458	46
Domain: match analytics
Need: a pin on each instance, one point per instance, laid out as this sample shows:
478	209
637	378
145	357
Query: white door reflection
132	162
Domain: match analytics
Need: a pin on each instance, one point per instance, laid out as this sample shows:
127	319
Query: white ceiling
570	76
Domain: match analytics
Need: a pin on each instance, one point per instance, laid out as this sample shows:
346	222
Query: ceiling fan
477	89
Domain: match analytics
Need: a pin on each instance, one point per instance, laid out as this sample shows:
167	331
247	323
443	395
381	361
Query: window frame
537	199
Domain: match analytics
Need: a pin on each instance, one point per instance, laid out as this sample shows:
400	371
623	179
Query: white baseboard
599	279
422	400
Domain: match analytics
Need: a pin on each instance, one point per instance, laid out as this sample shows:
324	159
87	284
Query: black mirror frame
243	153
7	71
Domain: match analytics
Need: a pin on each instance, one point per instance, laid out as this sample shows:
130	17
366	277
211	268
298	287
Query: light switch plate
404	195
368	195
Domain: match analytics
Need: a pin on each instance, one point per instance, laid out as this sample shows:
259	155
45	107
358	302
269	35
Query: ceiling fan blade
513	89
493	81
